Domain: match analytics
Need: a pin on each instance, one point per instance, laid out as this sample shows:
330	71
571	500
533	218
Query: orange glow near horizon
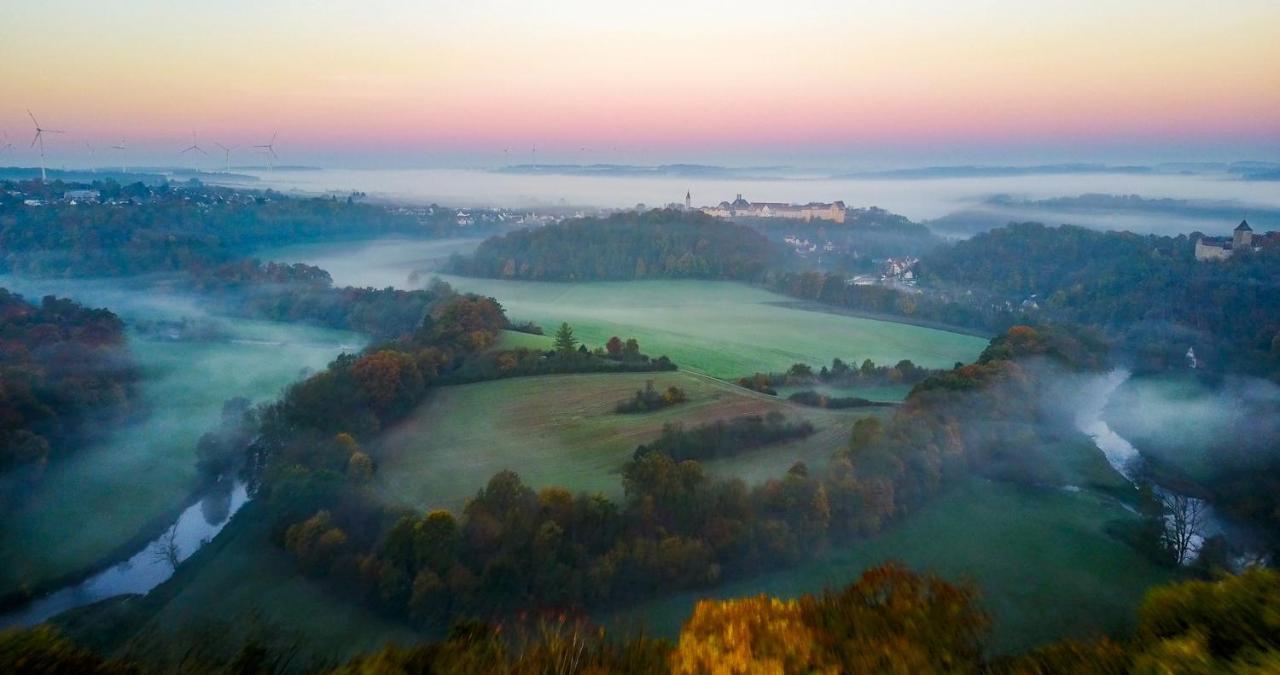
388	75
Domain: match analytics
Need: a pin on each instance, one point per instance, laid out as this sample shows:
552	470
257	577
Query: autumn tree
748	635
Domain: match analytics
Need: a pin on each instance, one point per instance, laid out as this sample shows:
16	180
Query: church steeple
688	199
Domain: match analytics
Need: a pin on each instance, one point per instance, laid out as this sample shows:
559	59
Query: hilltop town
739	207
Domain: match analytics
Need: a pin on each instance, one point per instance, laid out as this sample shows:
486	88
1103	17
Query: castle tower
1242	238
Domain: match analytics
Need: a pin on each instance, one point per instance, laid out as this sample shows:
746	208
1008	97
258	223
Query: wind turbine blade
33	118
37	138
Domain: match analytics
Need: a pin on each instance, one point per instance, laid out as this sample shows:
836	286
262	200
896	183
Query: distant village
204	195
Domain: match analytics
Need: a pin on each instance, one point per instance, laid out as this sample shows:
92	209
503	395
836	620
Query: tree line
723	438
840	374
170	227
566	356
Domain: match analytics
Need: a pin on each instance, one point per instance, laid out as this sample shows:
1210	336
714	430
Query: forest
140	228
1147	291
64	372
655	244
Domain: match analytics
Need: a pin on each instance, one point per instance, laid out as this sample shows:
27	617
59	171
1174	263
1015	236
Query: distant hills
1238	170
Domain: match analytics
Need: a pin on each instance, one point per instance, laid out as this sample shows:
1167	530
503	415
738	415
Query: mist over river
110	500
919	199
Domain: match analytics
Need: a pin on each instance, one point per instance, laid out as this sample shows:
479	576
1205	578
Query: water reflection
149	566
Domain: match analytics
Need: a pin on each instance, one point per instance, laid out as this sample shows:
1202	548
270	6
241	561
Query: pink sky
689	80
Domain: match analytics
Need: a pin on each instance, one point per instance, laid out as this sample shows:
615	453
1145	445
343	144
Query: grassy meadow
722	328
562	430
1044	565
89	505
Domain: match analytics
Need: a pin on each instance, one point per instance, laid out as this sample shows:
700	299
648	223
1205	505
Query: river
136	483
149	567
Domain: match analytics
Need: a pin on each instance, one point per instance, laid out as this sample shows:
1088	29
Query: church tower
688	200
1242	238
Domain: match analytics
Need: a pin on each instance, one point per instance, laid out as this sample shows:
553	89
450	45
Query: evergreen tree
565	342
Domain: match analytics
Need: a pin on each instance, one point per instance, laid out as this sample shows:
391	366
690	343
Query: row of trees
840	374
656	244
890	620
723	438
64	372
567	355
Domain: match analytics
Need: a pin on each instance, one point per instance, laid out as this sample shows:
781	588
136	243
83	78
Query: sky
477	83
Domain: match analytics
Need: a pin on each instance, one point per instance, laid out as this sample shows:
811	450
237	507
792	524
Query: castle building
1221	248
834	211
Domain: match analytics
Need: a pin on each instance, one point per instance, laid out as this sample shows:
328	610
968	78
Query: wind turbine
196	147
121	148
5	145
39	139
270	149
92	153
226	152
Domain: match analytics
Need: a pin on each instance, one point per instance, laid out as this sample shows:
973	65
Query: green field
722	328
104	496
562	430
1045	567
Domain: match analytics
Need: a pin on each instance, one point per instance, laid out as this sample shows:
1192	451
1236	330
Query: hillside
1148	290
657	244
